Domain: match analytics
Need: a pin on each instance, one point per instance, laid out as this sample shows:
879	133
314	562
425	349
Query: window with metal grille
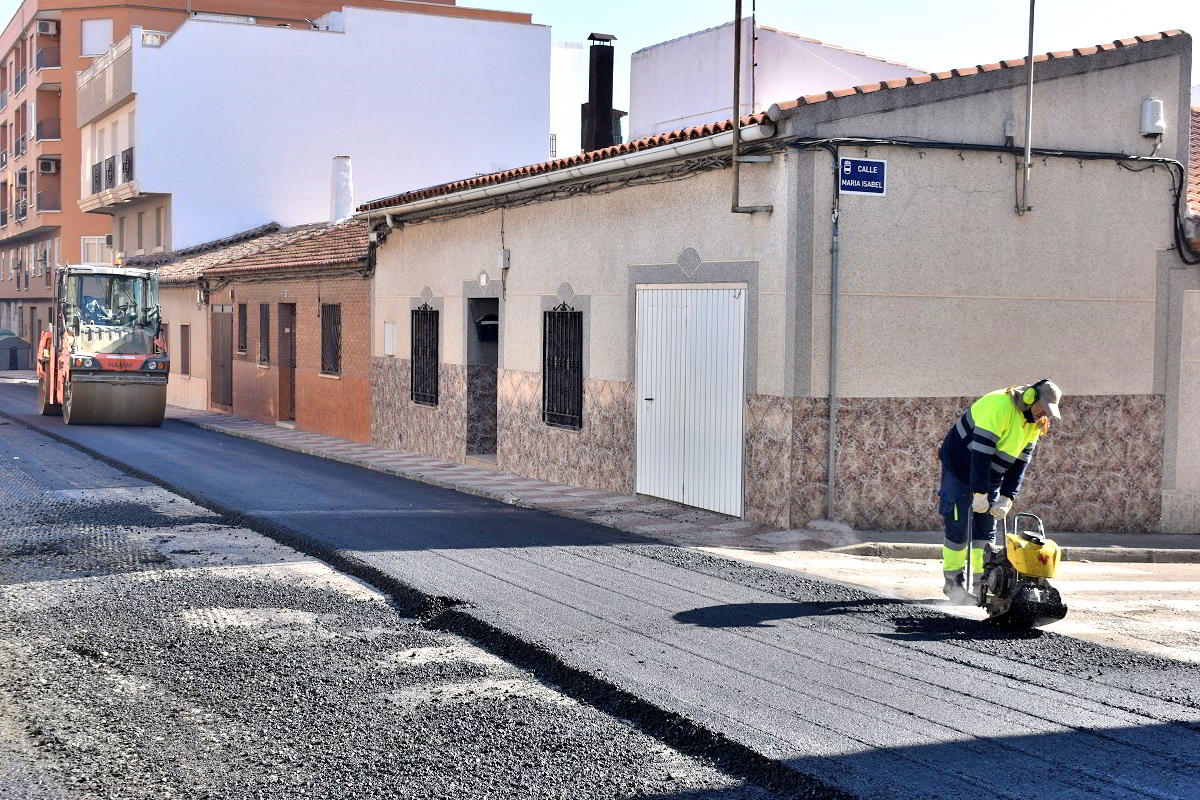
331	339
185	349
264	333
562	367
425	355
241	326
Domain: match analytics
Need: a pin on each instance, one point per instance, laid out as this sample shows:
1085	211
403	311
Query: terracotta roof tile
702	131
321	245
185	266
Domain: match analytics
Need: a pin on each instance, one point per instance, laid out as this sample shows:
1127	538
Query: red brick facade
337	405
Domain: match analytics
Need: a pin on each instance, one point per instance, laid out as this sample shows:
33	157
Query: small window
562	367
241	326
264	333
141	219
331	339
425	355
158	239
185	349
97	36
389	338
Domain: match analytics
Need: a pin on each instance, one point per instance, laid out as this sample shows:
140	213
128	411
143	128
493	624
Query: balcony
47	57
127	165
49	200
49	128
21	209
20	81
97	178
110	172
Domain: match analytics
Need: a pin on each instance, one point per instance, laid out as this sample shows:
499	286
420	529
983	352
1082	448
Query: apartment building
44	45
173	171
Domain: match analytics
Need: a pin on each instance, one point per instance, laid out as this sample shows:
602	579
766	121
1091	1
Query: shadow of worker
762	615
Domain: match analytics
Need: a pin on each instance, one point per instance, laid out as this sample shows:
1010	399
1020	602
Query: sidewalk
662	520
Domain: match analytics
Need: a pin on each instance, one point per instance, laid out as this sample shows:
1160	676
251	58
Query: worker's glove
1002	507
979	503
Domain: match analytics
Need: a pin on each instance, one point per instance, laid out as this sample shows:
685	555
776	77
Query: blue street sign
863	176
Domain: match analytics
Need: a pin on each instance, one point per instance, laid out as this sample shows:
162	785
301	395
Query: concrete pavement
810	685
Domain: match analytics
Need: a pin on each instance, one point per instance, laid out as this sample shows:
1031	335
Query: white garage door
690	354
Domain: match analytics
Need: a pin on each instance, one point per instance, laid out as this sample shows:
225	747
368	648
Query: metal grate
562	368
425	355
241	328
264	333
331	338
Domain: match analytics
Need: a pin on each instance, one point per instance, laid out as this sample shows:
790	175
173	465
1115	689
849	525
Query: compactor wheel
66	405
45	407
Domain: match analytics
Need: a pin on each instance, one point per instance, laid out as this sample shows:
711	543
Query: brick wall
335	405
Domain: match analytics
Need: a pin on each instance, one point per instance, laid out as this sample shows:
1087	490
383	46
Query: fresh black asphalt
875	697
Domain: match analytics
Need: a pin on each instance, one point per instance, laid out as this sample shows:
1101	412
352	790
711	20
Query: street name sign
863	176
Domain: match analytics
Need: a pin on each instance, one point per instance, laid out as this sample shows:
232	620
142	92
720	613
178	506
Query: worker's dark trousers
954	504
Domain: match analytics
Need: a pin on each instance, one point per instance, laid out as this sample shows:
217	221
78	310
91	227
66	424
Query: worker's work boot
955	592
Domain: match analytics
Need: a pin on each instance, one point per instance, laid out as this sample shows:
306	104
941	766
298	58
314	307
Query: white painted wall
689	81
568	91
238	123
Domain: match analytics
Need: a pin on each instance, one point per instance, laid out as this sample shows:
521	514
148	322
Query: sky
932	35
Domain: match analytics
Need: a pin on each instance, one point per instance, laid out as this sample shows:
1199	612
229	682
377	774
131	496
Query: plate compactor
1013	587
103	360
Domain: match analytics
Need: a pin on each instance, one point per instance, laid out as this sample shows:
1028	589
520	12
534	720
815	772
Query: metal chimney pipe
341	190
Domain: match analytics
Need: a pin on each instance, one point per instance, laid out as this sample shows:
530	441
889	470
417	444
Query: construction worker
983	460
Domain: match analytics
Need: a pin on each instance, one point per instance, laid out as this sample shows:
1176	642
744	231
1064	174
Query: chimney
600	123
341	190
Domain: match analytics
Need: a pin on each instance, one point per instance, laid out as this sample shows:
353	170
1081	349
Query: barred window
331	338
425	355
264	333
185	349
241	326
562	367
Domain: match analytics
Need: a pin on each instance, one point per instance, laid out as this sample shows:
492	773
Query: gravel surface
149	651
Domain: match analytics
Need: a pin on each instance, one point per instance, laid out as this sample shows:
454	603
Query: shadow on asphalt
760	615
932	628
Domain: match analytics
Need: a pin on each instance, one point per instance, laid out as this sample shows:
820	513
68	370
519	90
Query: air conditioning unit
108	240
47	27
47	166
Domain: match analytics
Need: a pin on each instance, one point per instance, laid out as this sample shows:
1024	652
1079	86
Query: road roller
103	360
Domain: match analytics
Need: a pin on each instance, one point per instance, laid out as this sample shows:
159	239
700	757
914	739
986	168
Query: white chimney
341	190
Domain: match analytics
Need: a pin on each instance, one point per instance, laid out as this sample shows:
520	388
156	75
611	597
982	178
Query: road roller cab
103	360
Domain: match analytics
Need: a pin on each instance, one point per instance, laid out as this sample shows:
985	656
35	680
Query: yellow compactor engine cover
1033	559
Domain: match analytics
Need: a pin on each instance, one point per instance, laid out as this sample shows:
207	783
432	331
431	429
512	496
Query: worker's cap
1049	394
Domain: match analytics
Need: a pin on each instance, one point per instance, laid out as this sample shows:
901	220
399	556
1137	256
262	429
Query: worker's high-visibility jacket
990	445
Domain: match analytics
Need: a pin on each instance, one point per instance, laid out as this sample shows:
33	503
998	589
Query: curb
455	616
1128	555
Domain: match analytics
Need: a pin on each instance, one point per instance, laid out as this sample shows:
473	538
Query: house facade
606	321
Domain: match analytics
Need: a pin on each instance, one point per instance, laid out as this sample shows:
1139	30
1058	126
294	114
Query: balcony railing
49	128
20	146
127	165
49	200
97	178
20	81
110	172
47	57
21	209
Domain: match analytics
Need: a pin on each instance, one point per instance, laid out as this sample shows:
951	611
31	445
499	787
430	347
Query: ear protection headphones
1030	395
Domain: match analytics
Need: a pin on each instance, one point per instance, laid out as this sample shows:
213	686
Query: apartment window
562	367
141	218
158	214
95	250
264	333
185	349
425	355
331	339
241	326
120	234
97	36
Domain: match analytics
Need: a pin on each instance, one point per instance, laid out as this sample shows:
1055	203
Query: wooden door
287	361
221	391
